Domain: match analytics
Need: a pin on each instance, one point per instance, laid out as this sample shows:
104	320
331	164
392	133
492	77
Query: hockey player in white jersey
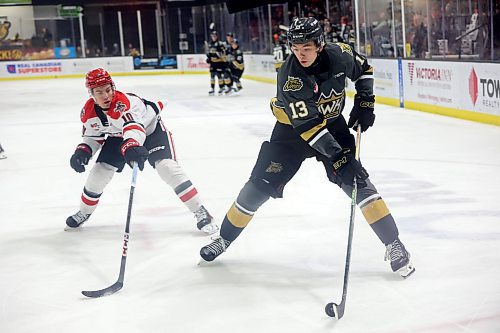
123	128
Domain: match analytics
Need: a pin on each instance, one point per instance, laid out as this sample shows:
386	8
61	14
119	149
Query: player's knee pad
100	175
251	197
275	166
171	172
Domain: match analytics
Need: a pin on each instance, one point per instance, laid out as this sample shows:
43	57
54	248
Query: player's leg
374	209
162	157
212	80
236	78
109	161
220	79
228	81
275	166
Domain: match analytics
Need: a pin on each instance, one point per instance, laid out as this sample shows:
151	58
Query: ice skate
228	91
74	222
2	153
400	259
211	92
221	92
214	249
204	221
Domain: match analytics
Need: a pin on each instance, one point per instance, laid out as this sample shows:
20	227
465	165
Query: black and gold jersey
216	52
310	98
235	58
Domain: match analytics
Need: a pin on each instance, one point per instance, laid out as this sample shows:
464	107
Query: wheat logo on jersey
345	48
330	105
293	84
274	167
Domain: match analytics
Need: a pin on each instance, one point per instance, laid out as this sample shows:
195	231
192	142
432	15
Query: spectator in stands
116	50
132	51
46	37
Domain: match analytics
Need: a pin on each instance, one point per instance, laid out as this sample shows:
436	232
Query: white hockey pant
171	173
99	177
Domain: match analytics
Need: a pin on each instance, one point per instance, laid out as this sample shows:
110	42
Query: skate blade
406	271
71	229
210	229
202	263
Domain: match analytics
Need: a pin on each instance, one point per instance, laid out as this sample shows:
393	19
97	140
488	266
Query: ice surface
438	175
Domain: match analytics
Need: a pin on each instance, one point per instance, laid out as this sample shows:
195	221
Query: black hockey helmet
230	34
304	30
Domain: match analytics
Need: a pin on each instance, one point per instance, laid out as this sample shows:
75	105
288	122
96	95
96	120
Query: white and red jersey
128	116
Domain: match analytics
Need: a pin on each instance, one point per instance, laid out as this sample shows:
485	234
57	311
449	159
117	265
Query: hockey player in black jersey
308	108
216	58
281	51
236	65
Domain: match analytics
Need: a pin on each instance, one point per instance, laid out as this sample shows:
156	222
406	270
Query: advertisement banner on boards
385	72
431	83
463	86
481	85
59	67
193	63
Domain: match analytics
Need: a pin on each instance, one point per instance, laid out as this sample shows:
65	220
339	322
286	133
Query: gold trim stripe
237	217
456	113
279	113
309	134
375	211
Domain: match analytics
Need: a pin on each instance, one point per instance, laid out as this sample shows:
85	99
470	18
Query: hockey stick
119	283
284	27
334	309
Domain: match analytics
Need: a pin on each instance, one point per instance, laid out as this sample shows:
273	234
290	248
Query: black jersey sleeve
296	97
357	70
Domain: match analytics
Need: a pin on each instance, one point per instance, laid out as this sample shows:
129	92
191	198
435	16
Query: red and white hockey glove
134	152
80	157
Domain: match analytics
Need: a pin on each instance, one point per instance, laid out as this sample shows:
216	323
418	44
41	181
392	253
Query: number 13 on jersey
299	109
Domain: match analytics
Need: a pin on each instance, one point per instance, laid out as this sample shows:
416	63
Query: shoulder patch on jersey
293	84
345	48
119	105
88	111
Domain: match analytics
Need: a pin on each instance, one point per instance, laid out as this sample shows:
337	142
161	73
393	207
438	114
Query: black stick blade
329	310
335	311
103	292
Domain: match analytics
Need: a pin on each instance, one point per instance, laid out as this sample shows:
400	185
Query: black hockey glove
346	167
134	152
80	157
362	112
